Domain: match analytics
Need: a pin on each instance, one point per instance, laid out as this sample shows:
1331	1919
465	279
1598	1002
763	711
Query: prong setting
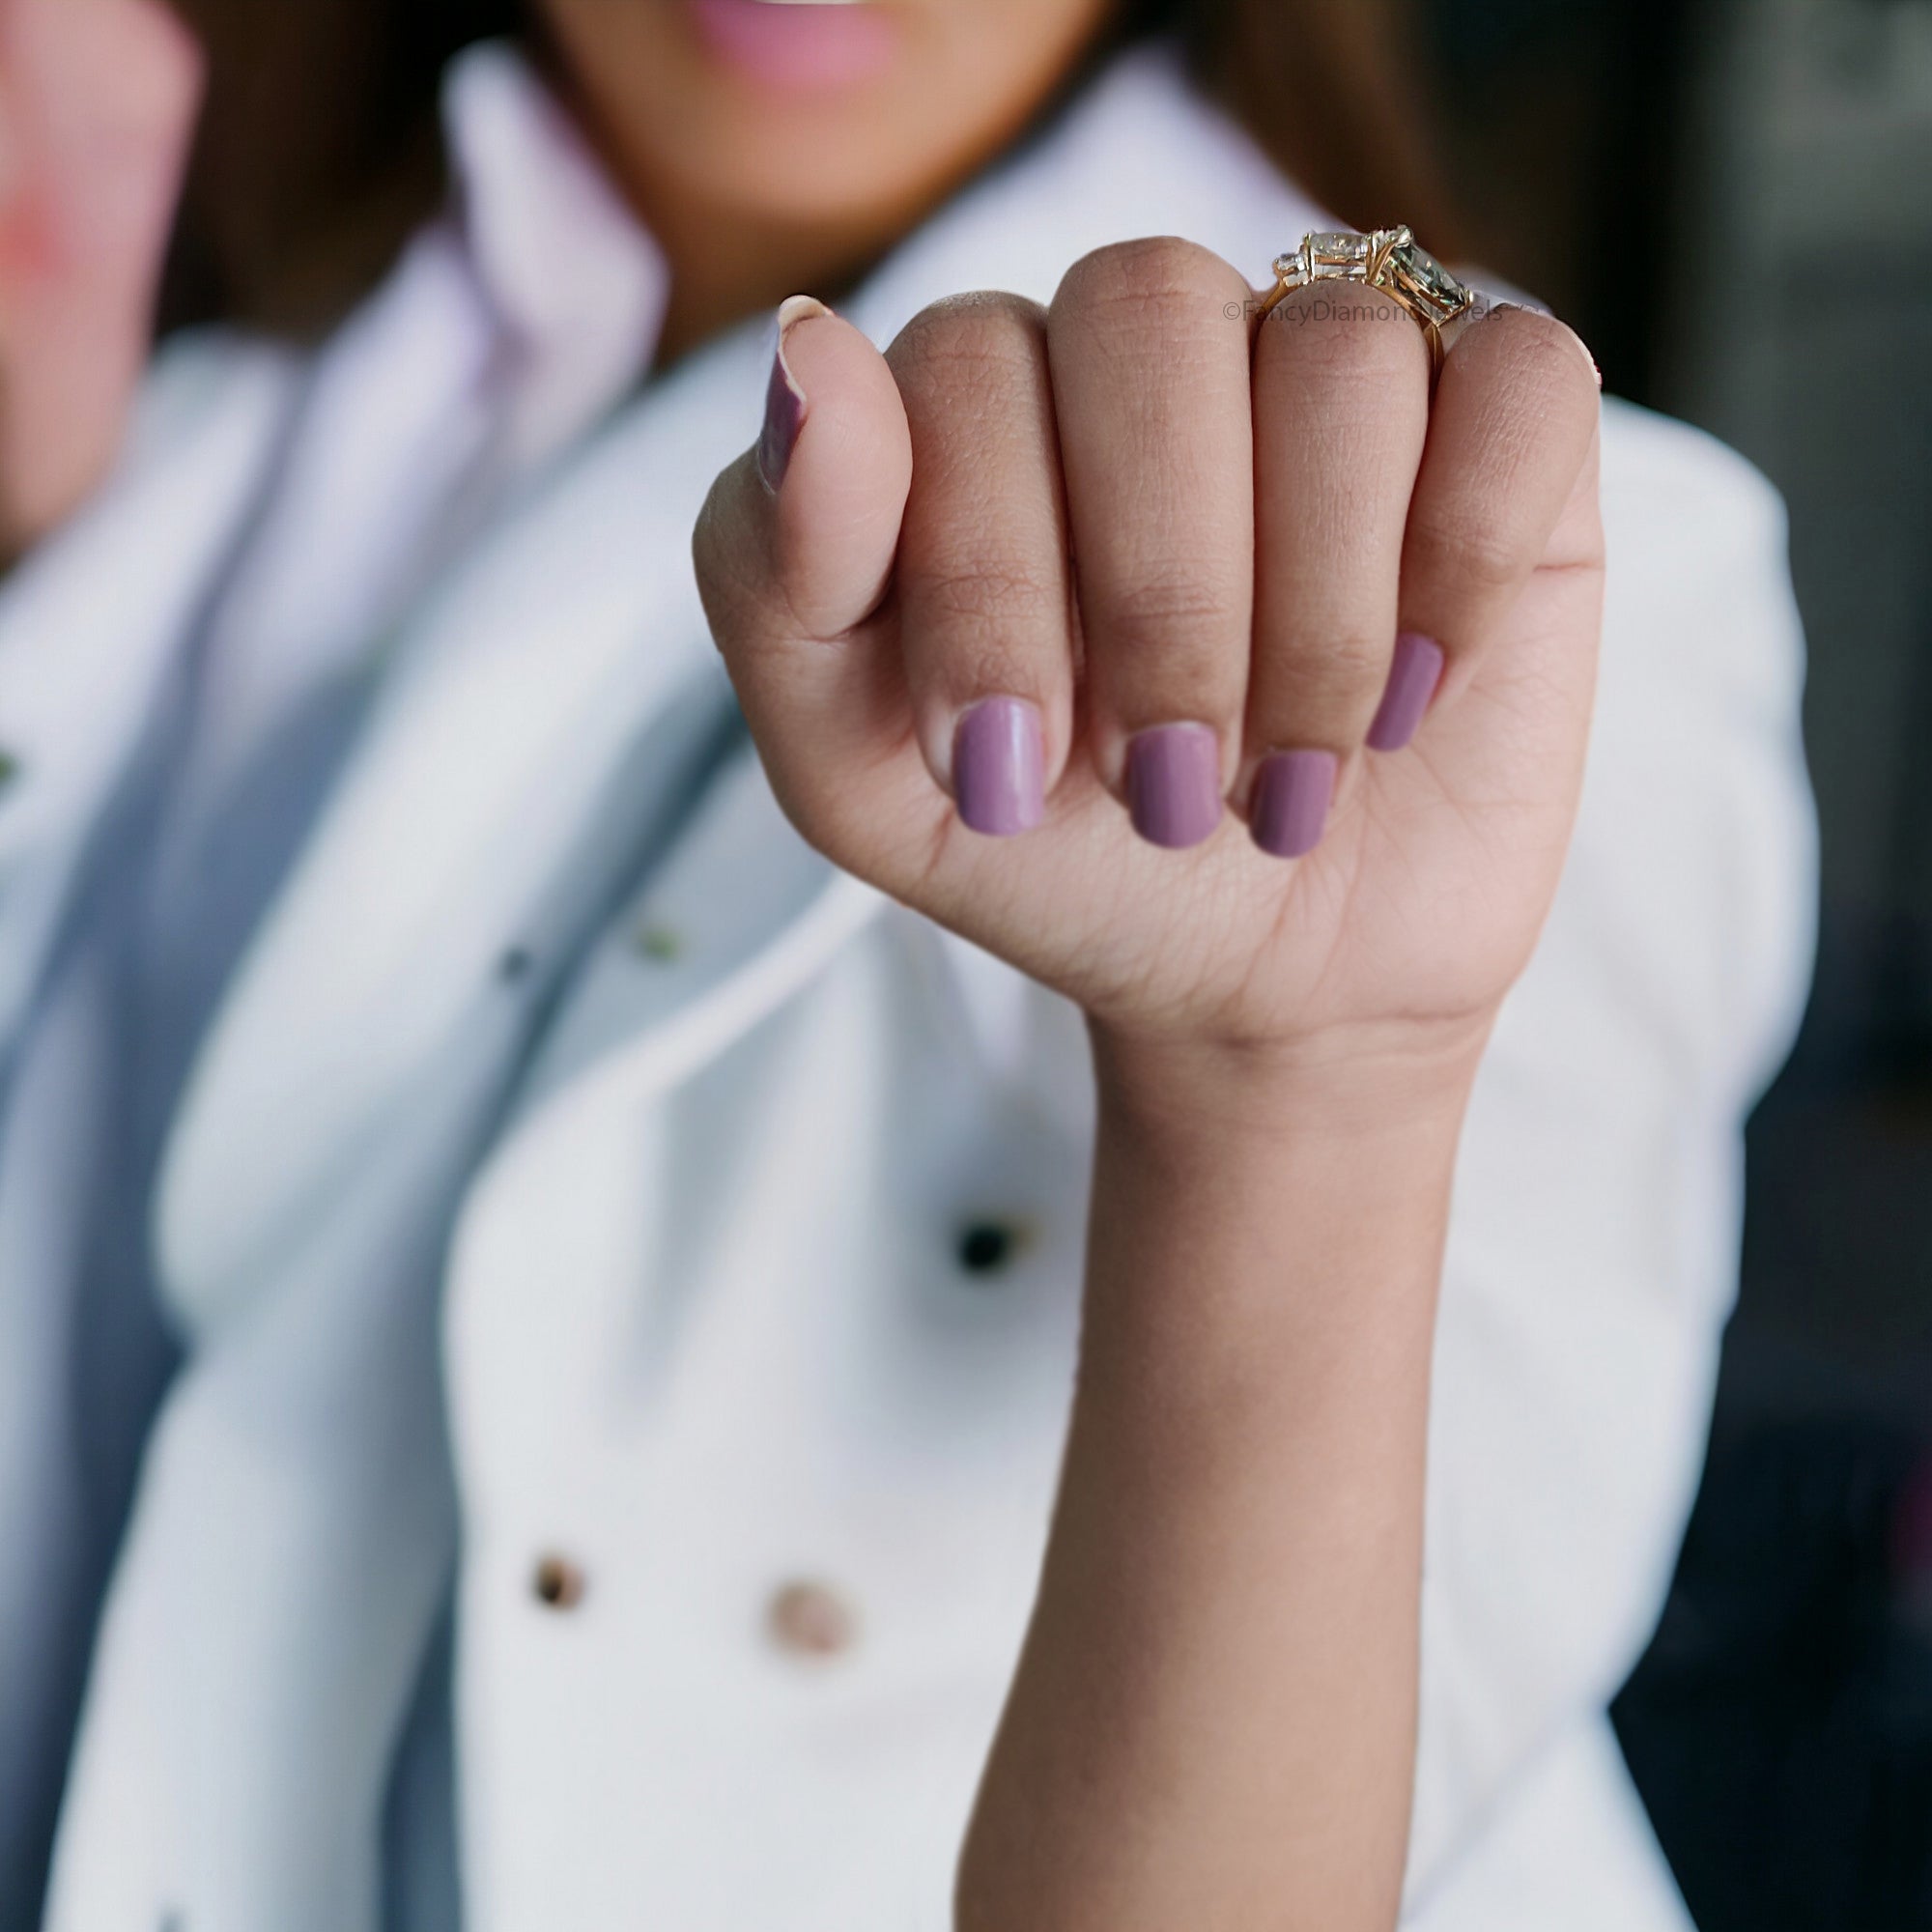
1389	258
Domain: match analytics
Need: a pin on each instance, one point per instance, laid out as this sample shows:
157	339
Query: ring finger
1341	419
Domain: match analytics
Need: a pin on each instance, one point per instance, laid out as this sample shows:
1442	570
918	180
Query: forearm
1212	1723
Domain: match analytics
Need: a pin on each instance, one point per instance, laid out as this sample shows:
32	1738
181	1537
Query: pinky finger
1513	418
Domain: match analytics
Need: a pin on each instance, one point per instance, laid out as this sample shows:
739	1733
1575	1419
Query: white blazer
567	1197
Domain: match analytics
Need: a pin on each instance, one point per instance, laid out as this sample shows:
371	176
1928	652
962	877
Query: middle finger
1151	388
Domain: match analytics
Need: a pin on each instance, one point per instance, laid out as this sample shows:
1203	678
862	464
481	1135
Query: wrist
1257	1210
1370	1085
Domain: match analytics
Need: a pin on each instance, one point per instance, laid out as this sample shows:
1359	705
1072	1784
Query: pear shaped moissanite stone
1420	274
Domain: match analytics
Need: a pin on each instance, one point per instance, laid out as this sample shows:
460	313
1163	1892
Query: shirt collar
577	282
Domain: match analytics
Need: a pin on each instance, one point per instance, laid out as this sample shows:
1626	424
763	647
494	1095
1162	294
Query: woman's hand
98	100
1079	578
1083	575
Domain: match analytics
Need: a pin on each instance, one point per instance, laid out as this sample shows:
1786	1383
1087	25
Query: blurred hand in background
98	101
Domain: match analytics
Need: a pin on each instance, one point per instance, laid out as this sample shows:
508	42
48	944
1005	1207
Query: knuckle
1531	335
990	597
990	340
1458	548
1340	679
1175	611
1154	280
1535	357
982	669
746	601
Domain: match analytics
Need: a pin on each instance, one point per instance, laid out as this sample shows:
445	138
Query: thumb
794	554
835	459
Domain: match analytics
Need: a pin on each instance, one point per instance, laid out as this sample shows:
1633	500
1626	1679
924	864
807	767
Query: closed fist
1214	672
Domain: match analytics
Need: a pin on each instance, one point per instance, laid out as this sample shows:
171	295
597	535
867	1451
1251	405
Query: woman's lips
797	43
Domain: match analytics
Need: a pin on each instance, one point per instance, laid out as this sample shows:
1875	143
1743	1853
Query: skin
1126	510
1129	511
96	102
752	191
749	194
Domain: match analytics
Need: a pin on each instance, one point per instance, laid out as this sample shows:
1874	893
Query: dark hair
320	149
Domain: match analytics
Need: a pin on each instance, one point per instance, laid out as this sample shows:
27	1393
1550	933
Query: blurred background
1734	199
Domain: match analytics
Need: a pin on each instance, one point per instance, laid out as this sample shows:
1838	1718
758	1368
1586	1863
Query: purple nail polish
1414	676
1173	785
784	400
1293	793
999	766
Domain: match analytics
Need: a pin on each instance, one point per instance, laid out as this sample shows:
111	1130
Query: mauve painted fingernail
1173	785
1414	676
784	400
1293	793
998	764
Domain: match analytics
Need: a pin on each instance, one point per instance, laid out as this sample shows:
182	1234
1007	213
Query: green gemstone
1427	277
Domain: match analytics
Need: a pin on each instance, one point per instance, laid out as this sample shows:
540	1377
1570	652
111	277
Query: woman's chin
841	118
741	170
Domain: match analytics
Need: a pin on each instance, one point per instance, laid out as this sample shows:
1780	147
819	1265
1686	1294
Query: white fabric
669	1229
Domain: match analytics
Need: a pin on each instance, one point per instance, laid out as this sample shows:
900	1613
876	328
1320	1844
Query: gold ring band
1389	258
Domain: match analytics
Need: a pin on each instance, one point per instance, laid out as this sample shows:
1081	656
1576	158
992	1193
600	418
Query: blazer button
557	1583
661	944
985	1247
810	1619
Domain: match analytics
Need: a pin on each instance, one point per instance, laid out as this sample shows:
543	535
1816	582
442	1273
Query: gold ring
1389	258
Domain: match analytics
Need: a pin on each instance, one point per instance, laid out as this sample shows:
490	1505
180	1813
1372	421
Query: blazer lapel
510	773
535	720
